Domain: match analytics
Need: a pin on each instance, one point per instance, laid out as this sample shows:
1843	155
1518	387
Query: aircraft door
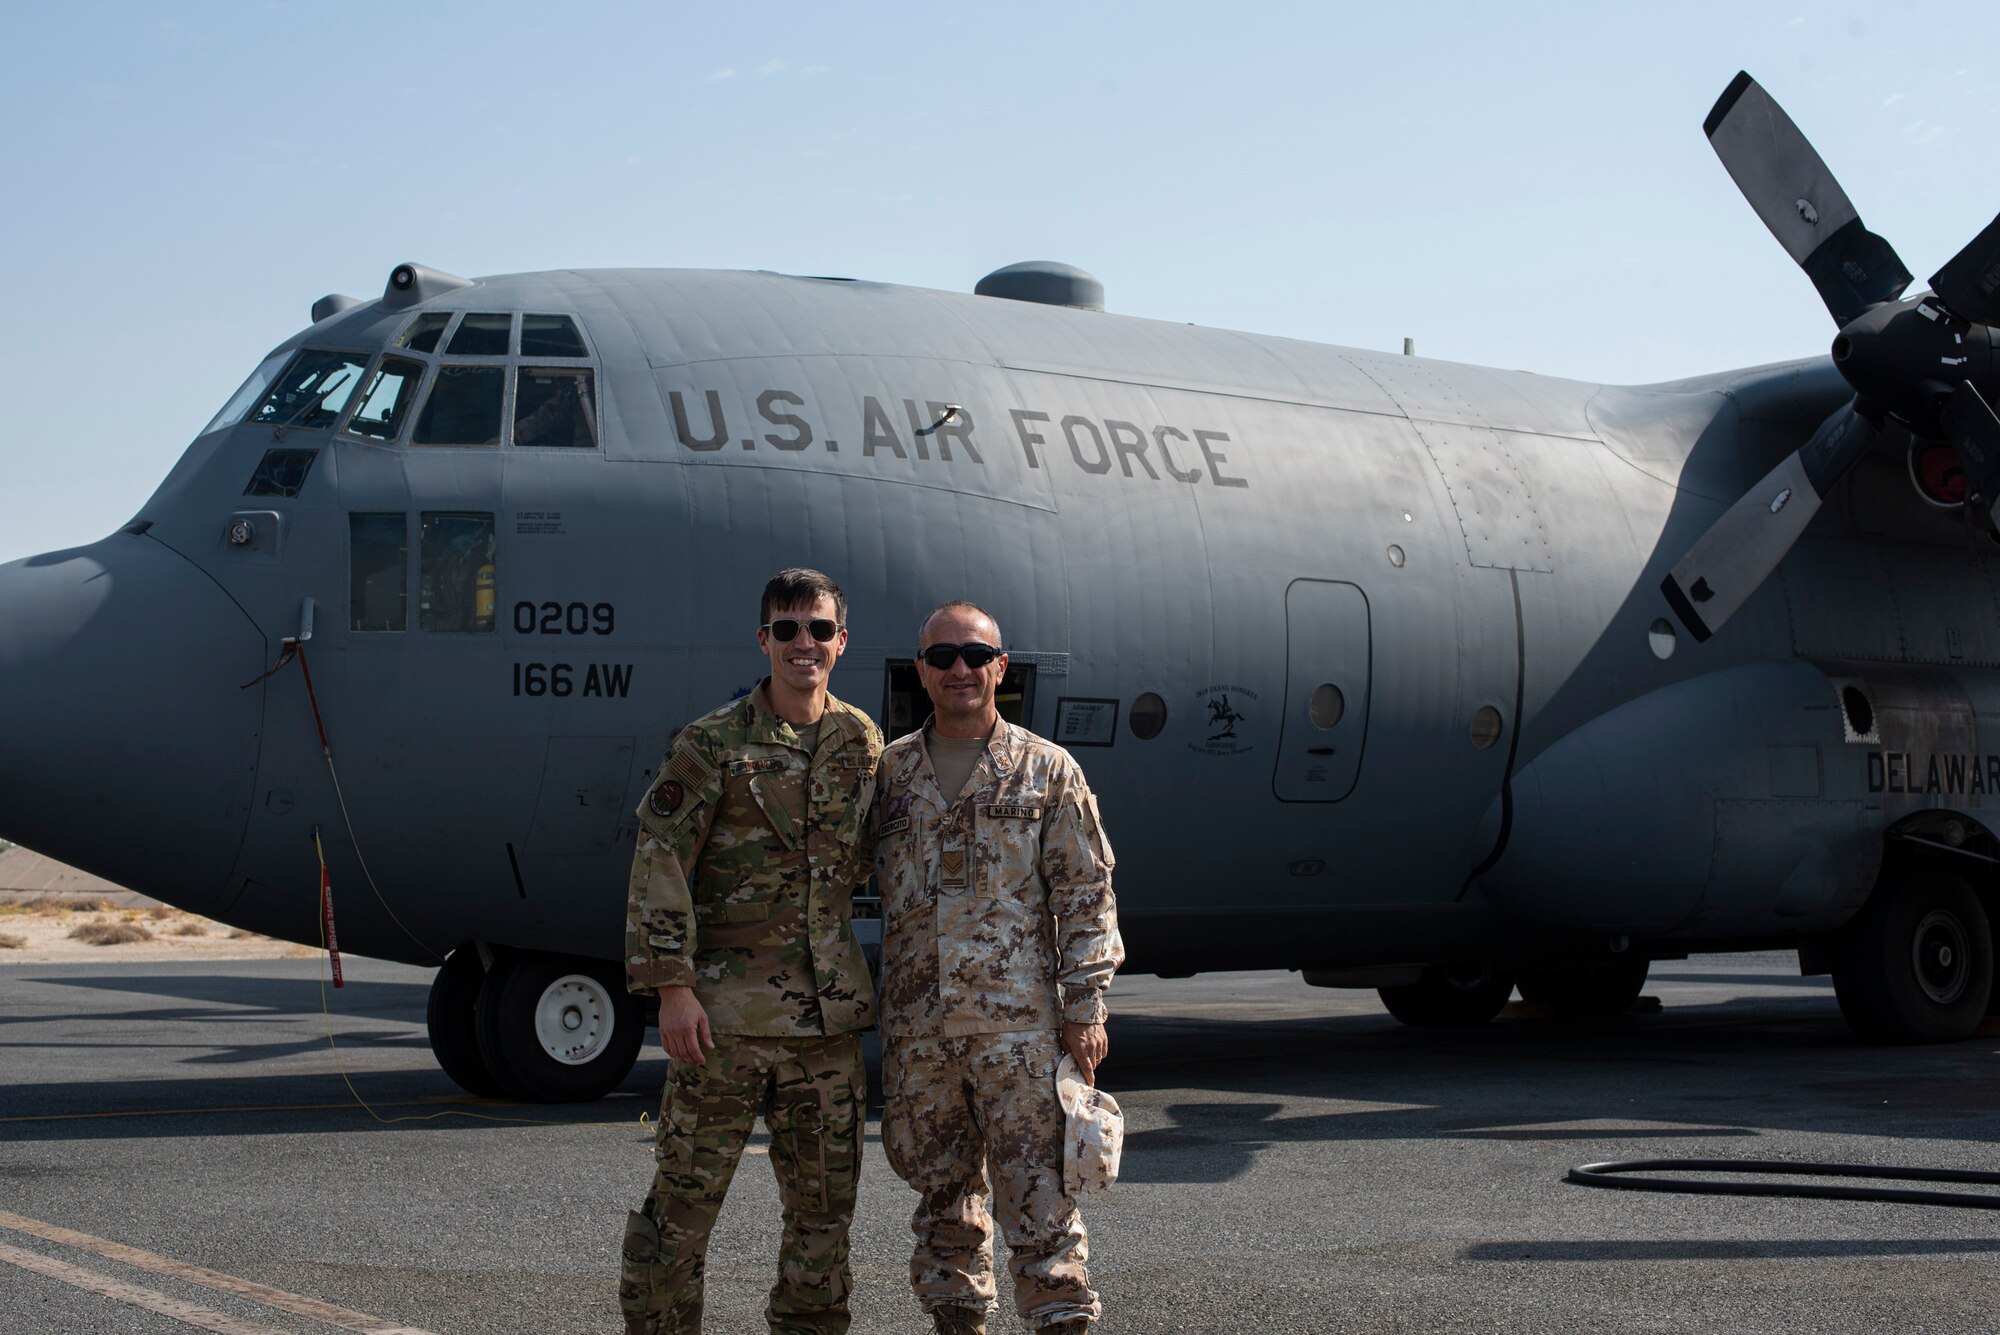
1327	670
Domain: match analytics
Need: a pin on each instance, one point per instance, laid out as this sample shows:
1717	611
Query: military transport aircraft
1402	674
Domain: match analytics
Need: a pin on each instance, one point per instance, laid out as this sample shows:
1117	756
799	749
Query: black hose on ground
1612	1173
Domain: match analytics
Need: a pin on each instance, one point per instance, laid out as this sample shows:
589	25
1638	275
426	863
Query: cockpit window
312	390
550	336
555	406
389	394
464	407
481	336
251	393
281	473
422	333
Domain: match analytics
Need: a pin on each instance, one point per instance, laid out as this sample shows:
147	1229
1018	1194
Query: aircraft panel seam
263	692
1506	832
928	359
1467	523
1196	387
884	481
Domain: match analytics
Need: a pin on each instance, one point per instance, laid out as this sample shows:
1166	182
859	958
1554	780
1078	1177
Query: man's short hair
800	587
957	605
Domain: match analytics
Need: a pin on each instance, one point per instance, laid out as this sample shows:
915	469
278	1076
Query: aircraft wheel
1916	964
1592	992
557	1029
1449	994
454	1039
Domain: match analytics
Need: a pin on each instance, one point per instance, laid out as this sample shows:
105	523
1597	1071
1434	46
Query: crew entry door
1327	667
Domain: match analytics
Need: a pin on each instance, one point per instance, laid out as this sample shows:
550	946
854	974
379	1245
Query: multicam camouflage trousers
958	1112
813	1094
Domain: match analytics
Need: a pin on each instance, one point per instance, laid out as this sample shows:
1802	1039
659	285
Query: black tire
1594	991
1449	994
451	1014
1916	964
582	1010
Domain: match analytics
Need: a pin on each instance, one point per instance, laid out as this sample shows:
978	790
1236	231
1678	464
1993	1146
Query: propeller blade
1969	283
1740	550
1974	431
1789	186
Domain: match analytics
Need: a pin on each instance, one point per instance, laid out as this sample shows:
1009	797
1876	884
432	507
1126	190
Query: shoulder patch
666	798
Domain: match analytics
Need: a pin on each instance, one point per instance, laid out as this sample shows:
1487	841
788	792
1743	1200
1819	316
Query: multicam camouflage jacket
998	907
749	854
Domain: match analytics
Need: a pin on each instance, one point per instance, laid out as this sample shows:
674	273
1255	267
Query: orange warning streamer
326	908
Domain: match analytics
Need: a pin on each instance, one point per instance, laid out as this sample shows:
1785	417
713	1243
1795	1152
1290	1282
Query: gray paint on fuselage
1150	541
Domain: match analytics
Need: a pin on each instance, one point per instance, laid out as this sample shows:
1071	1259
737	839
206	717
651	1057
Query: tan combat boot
958	1321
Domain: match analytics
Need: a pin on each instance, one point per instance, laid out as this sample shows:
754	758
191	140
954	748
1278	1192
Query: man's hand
1087	1043
684	1026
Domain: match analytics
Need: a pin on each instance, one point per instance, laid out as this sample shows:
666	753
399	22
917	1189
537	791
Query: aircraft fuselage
1517	758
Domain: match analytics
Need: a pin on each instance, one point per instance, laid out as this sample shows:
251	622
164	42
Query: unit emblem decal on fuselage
1222	719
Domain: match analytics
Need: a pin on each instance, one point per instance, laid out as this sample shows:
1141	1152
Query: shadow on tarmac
1724	1071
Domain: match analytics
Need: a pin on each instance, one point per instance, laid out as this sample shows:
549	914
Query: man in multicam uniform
1001	938
751	842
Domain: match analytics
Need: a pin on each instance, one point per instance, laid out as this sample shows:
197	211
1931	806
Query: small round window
1485	727
1148	716
1326	706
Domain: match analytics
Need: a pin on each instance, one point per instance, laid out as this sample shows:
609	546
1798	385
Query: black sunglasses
786	629
975	654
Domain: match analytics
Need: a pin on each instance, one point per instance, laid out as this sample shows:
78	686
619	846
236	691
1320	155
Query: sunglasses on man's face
975	654
786	629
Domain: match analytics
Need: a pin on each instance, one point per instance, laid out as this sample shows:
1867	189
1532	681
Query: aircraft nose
127	746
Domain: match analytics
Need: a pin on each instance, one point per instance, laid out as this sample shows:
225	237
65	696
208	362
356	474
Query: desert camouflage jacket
749	853
998	909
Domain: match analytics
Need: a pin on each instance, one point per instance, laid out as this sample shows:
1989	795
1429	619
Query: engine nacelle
1732	805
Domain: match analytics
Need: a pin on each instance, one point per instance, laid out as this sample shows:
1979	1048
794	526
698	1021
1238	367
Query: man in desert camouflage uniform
751	841
1001	938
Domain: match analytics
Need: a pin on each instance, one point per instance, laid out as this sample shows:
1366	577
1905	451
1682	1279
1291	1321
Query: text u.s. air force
938	431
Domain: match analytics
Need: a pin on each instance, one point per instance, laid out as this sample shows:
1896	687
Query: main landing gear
532	1026
1448	994
1916	964
1589	992
1468	994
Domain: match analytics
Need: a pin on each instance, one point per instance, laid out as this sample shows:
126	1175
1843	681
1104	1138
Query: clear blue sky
1510	184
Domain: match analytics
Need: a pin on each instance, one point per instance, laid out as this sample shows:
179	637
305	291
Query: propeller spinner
1920	360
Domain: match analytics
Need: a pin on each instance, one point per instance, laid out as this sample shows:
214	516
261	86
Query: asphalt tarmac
1296	1161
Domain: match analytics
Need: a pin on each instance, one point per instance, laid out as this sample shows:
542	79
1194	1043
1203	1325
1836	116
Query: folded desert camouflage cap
1094	1134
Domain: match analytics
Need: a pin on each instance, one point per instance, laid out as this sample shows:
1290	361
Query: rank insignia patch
666	798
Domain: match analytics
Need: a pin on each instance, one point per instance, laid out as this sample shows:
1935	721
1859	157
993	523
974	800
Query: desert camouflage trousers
813	1095
960	1112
